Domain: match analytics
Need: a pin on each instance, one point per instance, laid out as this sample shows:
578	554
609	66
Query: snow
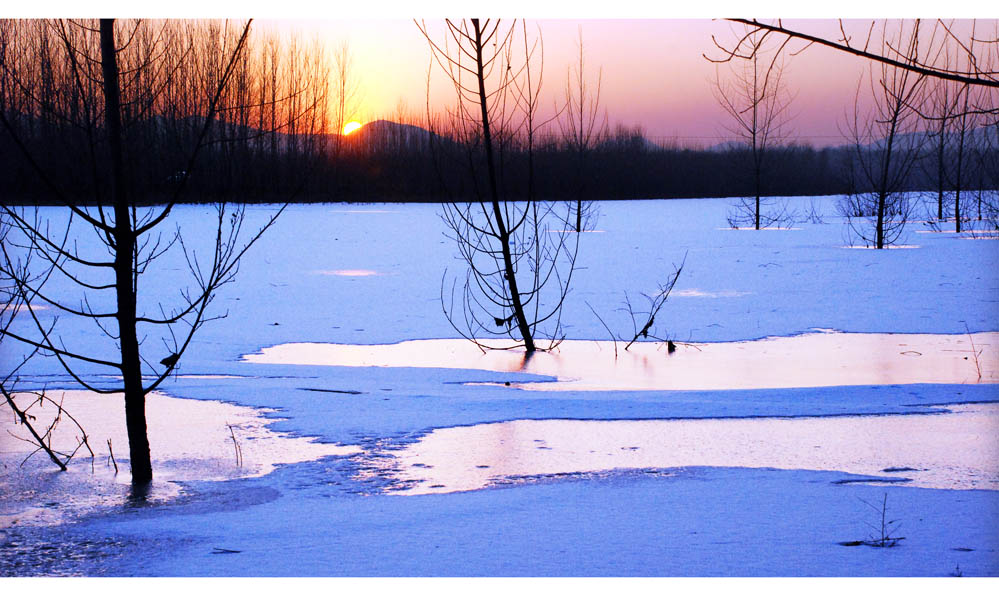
819	359
336	515
191	440
902	450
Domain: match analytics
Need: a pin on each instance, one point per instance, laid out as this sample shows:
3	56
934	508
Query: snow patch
189	440
803	361
953	450
700	293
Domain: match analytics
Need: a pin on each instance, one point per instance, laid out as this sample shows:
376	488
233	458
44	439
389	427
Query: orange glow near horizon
652	72
350	127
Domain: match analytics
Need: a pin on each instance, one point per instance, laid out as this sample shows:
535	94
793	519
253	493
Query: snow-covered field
774	472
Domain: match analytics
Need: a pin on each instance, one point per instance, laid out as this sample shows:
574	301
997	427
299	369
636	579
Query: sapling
975	352
656	302
882	536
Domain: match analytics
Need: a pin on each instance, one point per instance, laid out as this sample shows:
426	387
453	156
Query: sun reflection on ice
820	359
954	450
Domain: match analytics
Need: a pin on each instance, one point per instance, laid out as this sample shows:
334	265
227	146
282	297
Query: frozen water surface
814	360
189	440
958	449
621	437
356	272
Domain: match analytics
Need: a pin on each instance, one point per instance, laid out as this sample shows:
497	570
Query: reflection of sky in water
357	272
189	440
956	450
813	360
701	293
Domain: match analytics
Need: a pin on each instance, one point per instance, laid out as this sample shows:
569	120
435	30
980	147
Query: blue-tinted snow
316	519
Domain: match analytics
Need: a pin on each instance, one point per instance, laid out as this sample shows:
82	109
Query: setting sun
351	127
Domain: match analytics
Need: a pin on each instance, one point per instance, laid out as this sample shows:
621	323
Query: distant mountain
383	134
728	146
981	138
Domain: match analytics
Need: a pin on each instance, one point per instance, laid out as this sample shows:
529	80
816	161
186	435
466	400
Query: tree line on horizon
261	149
386	161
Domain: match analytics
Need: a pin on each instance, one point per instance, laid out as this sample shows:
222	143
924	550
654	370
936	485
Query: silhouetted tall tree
885	146
345	92
137	110
515	250
758	101
581	129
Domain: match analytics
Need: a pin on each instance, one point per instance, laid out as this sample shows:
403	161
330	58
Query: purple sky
654	74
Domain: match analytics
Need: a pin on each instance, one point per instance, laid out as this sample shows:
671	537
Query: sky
653	70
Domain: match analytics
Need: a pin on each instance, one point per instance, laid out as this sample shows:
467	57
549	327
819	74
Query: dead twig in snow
236	447
607	328
43	440
974	351
111	457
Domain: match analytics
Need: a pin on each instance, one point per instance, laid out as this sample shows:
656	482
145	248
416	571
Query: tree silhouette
888	55
581	129
516	251
137	109
885	146
756	98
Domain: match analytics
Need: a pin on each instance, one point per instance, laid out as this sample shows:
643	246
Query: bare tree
972	63
963	126
39	431
938	110
516	248
885	54
345	92
987	168
885	147
758	101
645	325
954	112
581	130
109	92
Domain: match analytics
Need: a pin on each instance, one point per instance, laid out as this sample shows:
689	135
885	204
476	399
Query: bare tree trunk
958	182
883	186
941	161
131	364
757	167
756	149
758	101
504	235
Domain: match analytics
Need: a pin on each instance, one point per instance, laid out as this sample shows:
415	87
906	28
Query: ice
824	359
336	515
954	450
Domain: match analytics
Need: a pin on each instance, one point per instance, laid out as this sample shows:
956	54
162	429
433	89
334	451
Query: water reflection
189	439
954	450
350	272
708	294
813	360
